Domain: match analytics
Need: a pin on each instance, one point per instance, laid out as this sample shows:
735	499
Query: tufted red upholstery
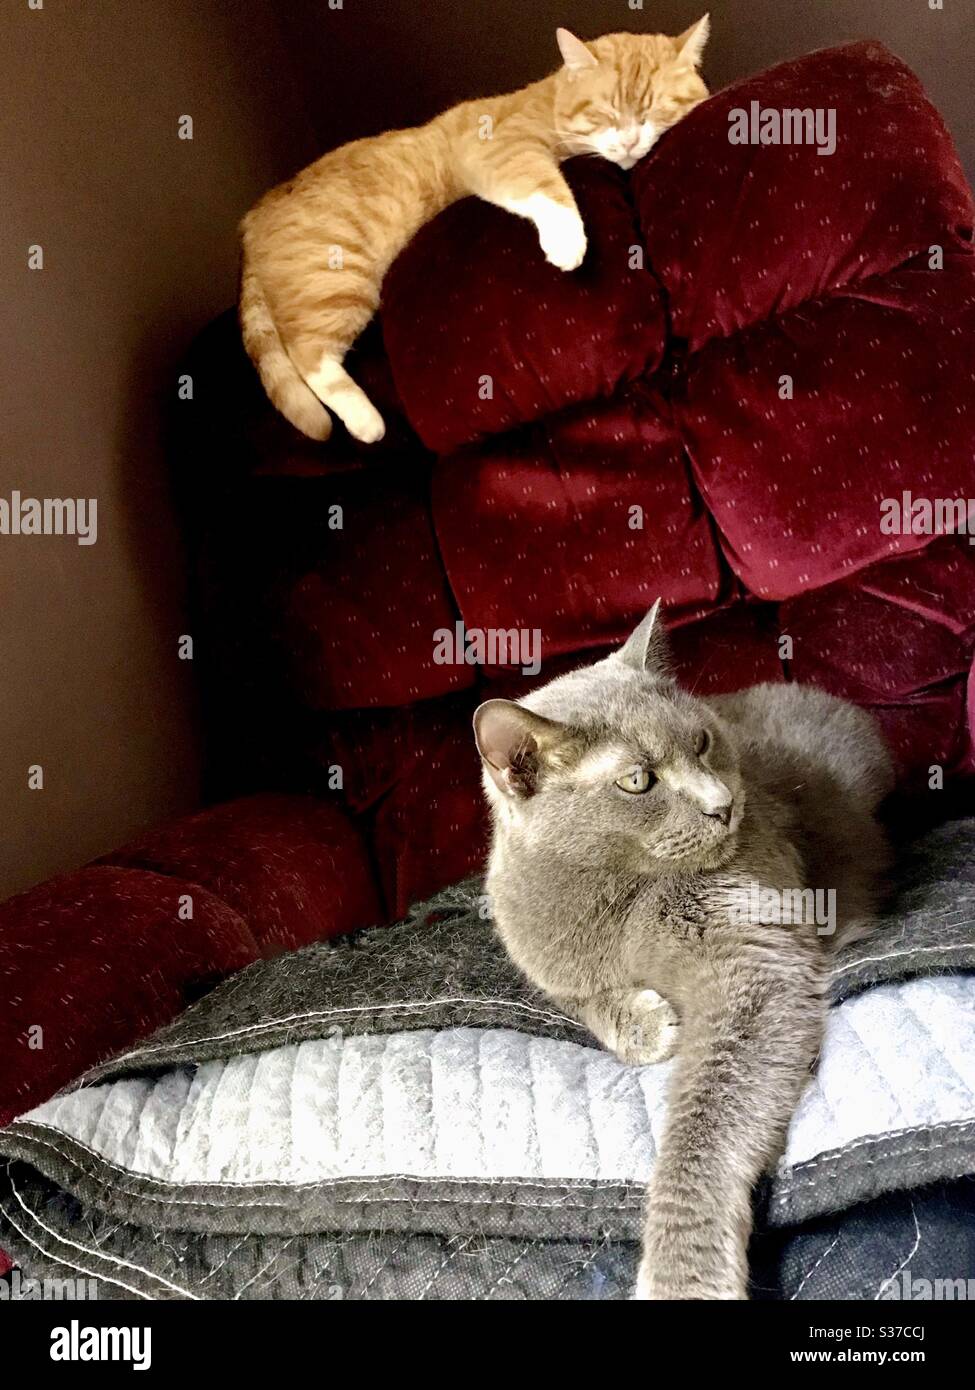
561	449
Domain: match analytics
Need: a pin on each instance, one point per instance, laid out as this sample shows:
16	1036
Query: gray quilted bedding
400	1115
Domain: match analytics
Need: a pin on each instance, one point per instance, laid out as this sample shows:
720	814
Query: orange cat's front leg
530	185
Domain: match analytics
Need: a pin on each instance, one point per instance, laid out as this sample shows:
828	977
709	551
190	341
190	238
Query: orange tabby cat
316	248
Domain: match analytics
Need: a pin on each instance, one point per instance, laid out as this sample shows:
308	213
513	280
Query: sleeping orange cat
316	248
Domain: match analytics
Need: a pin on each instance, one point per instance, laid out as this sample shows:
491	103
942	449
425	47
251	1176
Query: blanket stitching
809	1273
355	1009
850	1022
396	1248
830	1155
907	1258
783	1199
69	1263
600	1183
893	955
447	1259
836	1156
502	1277
73	1245
820	1160
915	1162
627	1200
936	1047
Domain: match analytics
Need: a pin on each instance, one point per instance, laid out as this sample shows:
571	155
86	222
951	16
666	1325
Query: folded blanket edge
829	1183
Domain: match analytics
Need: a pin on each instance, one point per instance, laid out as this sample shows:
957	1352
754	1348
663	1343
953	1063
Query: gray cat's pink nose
722	812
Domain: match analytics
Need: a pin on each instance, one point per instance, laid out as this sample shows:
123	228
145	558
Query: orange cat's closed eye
316	249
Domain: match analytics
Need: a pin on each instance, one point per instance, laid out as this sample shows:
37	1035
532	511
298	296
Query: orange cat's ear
690	44
575	54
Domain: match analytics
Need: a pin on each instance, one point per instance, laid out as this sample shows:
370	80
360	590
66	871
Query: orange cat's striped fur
317	247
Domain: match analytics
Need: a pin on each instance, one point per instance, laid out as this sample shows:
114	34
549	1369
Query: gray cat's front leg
636	1024
751	1033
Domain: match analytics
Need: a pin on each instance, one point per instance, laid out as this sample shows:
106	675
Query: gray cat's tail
750	1032
296	401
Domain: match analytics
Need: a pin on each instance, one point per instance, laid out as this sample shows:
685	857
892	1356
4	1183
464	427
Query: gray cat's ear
690	44
512	742
575	54
646	649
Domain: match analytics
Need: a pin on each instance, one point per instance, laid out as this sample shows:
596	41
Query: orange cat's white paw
335	389
562	237
365	425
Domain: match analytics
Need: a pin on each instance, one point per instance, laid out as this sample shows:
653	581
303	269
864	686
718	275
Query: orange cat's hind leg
328	330
335	389
279	375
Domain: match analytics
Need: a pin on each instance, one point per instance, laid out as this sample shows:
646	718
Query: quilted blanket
400	1115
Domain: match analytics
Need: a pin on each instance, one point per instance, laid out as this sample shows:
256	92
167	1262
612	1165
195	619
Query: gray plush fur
626	907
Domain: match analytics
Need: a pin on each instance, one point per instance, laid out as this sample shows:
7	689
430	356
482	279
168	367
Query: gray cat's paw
648	1029
674	1284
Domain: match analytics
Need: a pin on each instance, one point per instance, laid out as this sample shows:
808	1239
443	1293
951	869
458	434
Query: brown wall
137	229
138	235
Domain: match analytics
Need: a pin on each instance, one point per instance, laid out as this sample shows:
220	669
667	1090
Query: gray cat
651	868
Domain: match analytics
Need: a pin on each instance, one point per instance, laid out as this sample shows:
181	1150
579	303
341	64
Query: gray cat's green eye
702	743
637	780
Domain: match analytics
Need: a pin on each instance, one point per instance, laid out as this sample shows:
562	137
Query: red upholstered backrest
495	337
742	233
